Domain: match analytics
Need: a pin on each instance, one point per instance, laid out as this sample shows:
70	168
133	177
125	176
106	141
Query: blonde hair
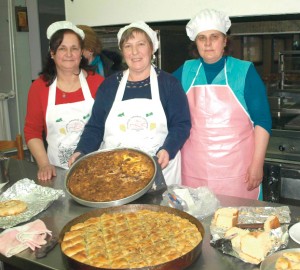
91	41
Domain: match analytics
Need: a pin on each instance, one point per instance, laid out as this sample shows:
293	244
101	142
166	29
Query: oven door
281	182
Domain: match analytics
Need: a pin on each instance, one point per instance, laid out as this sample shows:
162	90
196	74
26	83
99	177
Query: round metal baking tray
110	203
176	264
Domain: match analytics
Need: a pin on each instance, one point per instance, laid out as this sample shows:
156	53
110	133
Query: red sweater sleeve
35	120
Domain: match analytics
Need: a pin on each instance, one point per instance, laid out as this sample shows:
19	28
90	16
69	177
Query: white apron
140	123
65	123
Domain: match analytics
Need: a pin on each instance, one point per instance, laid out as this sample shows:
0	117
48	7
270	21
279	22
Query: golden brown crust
12	207
288	260
111	175
271	223
153	238
282	263
292	256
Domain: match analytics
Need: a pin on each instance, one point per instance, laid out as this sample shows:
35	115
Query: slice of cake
271	223
226	217
235	234
256	244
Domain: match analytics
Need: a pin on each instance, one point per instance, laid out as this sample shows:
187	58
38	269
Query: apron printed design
64	153
221	134
141	124
75	126
63	133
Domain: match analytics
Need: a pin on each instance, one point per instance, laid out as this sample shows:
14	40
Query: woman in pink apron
60	100
143	107
230	114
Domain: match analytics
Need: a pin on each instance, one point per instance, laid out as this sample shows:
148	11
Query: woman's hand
46	172
73	158
163	158
254	176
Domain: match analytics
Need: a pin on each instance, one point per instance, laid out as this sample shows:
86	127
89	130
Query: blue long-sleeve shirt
173	99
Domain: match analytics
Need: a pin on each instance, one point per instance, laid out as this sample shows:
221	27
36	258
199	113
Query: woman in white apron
230	114
60	100
143	108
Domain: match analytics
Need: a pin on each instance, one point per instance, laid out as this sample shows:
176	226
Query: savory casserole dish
133	236
110	175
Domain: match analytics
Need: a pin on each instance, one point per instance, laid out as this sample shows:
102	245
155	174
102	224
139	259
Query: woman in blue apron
143	107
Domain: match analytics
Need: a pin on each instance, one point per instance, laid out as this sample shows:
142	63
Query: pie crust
130	240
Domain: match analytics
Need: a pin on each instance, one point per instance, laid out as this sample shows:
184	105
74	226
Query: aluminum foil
38	198
252	215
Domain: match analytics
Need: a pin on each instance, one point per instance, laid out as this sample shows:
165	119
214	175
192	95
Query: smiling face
68	53
210	45
137	52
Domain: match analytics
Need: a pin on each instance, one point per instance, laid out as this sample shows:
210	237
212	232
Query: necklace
68	88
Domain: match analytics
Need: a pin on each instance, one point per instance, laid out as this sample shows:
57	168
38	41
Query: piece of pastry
235	234
256	244
271	223
282	263
226	217
12	207
292	256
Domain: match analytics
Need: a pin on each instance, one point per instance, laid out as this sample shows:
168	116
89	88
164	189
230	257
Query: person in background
192	54
231	121
60	100
106	62
143	107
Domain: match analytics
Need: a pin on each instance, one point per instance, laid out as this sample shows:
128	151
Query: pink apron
219	150
65	123
140	123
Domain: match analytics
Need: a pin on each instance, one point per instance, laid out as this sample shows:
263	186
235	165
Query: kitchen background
266	32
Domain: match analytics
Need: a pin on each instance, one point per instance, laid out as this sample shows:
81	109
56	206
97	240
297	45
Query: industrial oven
282	164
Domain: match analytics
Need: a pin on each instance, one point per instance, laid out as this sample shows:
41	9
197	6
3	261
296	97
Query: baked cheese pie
111	175
130	240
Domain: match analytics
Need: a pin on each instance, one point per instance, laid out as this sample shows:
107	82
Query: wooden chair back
6	146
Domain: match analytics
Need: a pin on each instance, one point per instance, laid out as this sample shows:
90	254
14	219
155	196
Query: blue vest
236	75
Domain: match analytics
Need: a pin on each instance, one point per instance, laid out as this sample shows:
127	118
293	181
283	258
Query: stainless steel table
65	209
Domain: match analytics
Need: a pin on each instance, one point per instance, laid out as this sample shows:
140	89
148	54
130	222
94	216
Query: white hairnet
141	25
54	27
207	19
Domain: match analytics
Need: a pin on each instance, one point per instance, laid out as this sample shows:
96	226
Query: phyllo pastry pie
111	175
130	240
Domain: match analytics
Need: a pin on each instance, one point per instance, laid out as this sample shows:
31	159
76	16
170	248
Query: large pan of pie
110	177
133	236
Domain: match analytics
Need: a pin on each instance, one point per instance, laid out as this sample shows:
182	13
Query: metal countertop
65	209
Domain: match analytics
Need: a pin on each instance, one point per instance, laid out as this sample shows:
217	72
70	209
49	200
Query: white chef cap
54	27
141	25
207	19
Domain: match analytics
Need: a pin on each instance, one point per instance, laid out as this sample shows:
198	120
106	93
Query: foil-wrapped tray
38	198
251	216
113	202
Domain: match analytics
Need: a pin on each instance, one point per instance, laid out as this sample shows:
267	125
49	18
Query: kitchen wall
21	52
114	12
15	71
